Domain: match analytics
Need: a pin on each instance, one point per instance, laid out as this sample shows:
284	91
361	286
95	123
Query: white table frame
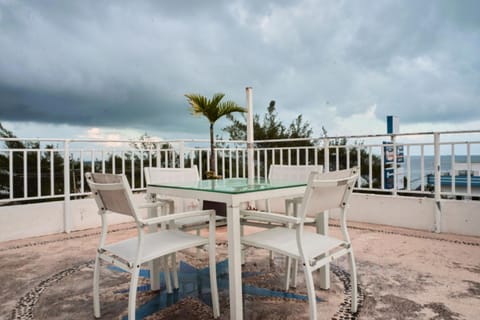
233	202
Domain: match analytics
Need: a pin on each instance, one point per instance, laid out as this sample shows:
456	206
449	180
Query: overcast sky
121	68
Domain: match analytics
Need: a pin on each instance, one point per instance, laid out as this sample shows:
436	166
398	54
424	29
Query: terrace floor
403	274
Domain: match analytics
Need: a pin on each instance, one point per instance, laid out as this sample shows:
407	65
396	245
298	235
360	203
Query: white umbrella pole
250	161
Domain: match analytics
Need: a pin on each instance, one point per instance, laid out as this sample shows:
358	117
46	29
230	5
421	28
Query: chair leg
295	272
213	280
288	268
243	248
96	290
174	271
353	281
312	301
132	294
197	232
154	266
166	272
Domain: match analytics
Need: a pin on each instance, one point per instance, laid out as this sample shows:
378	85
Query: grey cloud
130	63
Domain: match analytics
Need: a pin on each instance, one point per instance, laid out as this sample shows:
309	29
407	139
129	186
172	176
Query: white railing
55	168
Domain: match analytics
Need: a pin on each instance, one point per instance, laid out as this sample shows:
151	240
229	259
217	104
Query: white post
322	218
66	187
250	161
181	153
326	155
394	145
438	186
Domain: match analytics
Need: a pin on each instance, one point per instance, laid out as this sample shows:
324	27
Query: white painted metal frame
324	192
292	173
113	195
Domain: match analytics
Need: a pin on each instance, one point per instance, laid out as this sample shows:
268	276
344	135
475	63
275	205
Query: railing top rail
243	141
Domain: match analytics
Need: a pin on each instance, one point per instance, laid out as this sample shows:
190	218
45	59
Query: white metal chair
113	195
325	191
158	175
283	173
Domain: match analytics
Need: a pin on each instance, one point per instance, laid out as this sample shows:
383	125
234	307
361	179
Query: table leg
234	262
154	265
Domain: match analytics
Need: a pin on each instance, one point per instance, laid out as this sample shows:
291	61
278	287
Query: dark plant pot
219	207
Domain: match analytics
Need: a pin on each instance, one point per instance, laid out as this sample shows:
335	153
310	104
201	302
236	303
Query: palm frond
217	97
229	107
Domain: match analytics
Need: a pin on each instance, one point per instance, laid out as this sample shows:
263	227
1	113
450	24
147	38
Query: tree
270	128
213	109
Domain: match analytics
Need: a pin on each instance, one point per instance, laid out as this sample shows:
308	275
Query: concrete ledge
458	216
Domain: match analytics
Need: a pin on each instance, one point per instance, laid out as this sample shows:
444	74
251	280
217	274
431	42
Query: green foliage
213	109
271	128
29	154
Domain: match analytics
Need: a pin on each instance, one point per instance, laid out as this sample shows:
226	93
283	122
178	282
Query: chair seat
156	245
284	241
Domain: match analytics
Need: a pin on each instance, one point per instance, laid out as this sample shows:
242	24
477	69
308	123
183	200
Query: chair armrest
176	216
273	217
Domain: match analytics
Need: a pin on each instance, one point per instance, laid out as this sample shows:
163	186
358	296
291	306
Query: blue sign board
388	157
389	176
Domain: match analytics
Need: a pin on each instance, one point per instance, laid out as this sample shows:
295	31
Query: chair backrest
158	175
112	193
330	190
153	174
292	173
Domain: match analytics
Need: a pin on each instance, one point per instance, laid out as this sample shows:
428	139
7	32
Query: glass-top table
231	186
232	192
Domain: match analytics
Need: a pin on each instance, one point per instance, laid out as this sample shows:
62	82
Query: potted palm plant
213	109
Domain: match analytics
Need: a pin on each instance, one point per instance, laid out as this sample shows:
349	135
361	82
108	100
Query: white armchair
113	195
282	173
325	191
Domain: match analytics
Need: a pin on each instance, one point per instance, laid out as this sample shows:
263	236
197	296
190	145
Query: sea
429	166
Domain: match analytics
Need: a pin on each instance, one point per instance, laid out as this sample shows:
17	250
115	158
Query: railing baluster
370	169
39	173
265	155
52	174
438	186
422	168
10	174
452	168
469	170
25	180
347	154
66	188
407	156
82	174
